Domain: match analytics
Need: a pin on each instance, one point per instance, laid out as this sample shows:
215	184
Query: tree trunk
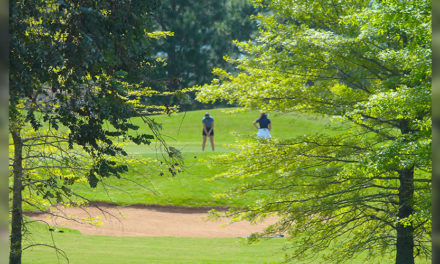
405	234
171	59
17	211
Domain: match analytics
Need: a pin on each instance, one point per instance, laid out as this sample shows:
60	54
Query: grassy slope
183	131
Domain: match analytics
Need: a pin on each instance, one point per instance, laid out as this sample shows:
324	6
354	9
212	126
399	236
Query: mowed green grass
192	187
184	130
81	249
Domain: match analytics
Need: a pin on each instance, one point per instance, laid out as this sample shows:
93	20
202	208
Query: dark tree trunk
436	189
17	211
405	234
171	59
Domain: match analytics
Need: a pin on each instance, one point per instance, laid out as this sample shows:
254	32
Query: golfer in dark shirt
208	130
265	126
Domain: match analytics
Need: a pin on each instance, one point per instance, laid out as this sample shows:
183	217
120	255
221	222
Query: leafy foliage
368	62
83	66
204	32
78	73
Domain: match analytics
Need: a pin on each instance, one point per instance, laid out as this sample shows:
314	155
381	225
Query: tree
77	73
204	32
367	63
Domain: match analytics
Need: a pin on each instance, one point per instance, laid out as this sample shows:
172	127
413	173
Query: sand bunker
151	221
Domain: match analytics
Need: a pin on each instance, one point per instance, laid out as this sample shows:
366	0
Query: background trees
77	73
204	32
365	62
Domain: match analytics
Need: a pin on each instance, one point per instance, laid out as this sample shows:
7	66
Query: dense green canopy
204	31
78	70
367	63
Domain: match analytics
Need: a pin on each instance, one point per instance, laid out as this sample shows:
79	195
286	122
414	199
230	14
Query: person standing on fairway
208	130
265	126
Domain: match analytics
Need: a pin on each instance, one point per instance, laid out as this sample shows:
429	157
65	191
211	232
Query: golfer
265	126
208	130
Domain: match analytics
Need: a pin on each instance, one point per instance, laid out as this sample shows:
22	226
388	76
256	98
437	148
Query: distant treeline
204	31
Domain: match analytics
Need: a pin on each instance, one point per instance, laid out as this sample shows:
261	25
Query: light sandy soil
143	220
